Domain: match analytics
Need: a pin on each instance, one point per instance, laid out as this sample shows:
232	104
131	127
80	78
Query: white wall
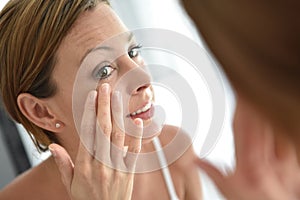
2	3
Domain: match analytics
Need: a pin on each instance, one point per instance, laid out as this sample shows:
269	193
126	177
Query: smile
143	113
144	109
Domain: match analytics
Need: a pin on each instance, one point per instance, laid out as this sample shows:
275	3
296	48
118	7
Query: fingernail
52	151
105	88
138	121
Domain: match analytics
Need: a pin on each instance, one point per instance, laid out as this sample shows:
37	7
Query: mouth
144	113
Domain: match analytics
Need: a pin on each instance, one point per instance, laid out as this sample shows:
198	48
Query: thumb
64	164
218	178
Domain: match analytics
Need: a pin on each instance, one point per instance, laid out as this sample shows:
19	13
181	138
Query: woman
257	44
43	44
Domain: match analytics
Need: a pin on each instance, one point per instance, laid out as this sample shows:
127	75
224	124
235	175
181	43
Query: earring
57	125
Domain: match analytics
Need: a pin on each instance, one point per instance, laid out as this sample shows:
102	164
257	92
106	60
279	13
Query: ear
38	112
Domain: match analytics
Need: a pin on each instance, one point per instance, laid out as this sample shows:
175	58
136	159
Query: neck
70	141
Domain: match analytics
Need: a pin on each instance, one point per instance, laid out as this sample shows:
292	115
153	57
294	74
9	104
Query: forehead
90	29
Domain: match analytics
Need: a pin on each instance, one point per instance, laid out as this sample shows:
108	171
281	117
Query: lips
144	113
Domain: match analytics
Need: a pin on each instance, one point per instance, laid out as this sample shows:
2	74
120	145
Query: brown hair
30	34
258	46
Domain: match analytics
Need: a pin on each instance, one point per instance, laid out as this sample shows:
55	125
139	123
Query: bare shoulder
170	132
180	143
32	184
184	172
180	156
19	188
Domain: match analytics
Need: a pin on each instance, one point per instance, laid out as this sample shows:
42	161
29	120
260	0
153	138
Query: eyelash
101	70
135	49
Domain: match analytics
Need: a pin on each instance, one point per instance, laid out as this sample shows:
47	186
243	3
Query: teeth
147	107
144	109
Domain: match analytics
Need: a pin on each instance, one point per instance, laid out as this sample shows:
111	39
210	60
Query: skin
72	172
267	158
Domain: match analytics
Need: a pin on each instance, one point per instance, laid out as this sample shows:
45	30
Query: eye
135	51
104	72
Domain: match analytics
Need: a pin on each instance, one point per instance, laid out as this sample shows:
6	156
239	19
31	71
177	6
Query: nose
141	88
138	80
136	77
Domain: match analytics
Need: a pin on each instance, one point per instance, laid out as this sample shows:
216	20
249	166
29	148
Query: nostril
143	87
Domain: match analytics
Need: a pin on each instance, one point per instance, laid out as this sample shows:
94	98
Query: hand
266	164
88	178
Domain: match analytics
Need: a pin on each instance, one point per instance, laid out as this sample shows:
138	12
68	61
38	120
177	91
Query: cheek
140	61
132	104
64	99
136	100
152	93
63	107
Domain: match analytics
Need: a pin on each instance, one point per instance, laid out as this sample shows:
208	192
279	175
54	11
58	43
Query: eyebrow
106	48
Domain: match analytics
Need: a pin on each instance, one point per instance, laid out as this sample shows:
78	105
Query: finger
103	110
104	127
136	140
64	164
217	177
87	132
135	145
118	134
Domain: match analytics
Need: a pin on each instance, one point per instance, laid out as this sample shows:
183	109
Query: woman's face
89	56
